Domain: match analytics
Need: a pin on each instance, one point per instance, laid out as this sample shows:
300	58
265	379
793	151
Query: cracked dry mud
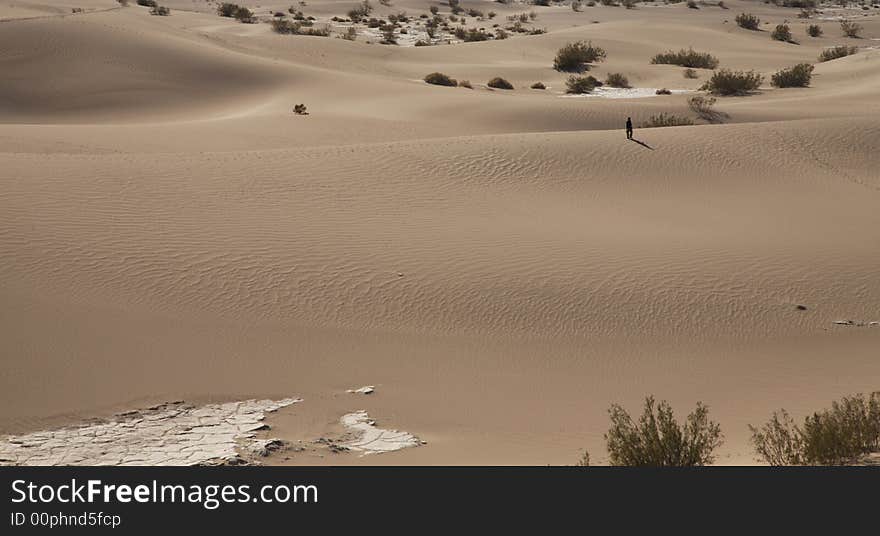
169	434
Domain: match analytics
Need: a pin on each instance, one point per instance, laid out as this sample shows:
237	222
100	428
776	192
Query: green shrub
836	52
538	85
578	85
814	30
686	58
747	21
574	57
837	436
440	79
499	83
797	76
782	33
617	80
658	440
727	82
850	29
666	120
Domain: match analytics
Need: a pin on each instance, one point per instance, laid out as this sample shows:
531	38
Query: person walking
629	128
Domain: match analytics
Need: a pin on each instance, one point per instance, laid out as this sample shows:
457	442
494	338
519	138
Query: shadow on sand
643	144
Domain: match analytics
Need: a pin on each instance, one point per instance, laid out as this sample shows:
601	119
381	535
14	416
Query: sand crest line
168	434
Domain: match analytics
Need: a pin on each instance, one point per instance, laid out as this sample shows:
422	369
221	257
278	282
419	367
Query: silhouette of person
629	128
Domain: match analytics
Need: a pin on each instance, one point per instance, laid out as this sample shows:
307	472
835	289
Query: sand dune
503	265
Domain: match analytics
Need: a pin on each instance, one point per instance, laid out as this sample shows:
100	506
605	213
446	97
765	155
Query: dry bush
663	91
690	73
440	79
704	107
836	52
538	85
361	12
161	11
499	83
686	58
814	30
471	34
837	436
617	80
149	3
796	76
657	440
692	4
577	85
850	29
727	82
747	21
300	109
666	120
782	33
574	57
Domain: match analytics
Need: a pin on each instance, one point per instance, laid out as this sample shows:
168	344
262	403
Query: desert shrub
440	79
500	34
538	85
722	5
836	52
151	3
300	109
691	4
360	12
574	57
666	120
658	440
782	33
727	82
471	34
704	107
388	37
850	29
499	83
628	4
351	34
814	30
577	85
612	3
584	460
298	28
663	91
161	11
434	10
576	6
690	73
748	21
837	436
123	3
686	58
797	76
617	80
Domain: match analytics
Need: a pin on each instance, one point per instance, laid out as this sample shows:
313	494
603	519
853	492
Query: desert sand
500	265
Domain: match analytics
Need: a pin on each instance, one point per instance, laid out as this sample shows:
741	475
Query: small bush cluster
686	58
574	57
239	13
657	440
727	82
664	119
663	91
782	33
440	79
797	76
747	21
577	85
836	52
499	83
471	34
814	30
837	436
617	80
300	109
361	12
287	27
147	3
690	73
704	107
